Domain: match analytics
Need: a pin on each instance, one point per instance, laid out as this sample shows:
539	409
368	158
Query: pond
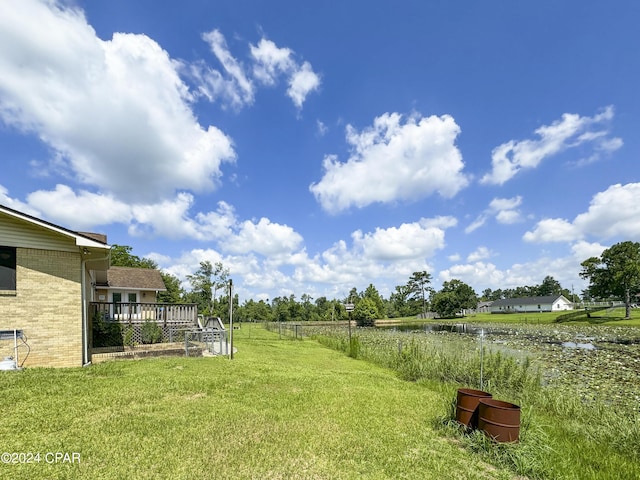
599	361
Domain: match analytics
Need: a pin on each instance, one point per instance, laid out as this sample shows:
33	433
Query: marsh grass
561	435
435	357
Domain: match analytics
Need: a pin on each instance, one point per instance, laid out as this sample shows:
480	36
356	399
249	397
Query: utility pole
230	319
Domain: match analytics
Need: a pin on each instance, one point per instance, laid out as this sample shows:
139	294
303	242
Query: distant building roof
100	237
135	279
507	302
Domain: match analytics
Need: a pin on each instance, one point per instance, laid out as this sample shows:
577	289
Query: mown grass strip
281	409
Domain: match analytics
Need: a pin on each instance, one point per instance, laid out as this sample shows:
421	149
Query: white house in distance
551	303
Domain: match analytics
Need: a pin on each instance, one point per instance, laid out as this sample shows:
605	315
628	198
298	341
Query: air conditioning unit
8	364
11	363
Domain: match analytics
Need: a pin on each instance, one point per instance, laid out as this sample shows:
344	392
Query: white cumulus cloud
271	62
408	241
394	160
114	111
570	131
232	85
552	230
480	253
613	213
505	211
302	82
264	237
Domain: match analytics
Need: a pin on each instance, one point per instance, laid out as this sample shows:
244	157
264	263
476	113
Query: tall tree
121	256
445	304
354	297
399	301
307	307
280	307
614	273
201	287
549	286
323	308
206	281
454	297
365	312
419	285
220	279
256	311
372	294
174	293
489	295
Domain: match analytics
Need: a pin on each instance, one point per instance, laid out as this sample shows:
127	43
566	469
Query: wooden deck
165	314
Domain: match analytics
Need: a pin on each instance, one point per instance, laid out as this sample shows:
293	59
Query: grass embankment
611	317
282	409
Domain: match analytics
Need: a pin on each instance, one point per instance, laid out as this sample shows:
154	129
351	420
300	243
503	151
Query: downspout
85	319
85	323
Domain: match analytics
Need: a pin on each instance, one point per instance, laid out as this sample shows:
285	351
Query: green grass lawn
613	317
281	409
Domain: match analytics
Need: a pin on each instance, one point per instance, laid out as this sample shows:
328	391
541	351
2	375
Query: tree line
616	273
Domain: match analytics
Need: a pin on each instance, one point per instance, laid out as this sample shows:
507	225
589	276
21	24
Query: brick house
47	273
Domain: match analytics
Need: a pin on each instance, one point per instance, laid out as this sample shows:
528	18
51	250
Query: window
133	297
7	268
117	299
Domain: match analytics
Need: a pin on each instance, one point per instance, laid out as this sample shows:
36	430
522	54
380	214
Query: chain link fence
210	340
286	329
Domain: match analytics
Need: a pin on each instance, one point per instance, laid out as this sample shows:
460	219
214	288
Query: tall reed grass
436	357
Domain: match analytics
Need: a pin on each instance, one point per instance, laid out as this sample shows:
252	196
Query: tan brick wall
47	305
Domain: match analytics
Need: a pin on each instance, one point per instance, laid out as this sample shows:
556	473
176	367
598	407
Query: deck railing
135	313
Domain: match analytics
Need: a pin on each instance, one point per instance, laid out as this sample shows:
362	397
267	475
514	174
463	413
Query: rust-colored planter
467	406
500	420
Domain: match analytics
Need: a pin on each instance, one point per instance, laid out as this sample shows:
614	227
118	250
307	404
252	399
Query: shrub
150	332
354	348
105	333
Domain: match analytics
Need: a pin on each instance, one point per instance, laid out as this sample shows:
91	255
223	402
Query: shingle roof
507	302
135	278
99	237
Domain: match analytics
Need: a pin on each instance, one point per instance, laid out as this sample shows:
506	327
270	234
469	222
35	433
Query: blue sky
313	148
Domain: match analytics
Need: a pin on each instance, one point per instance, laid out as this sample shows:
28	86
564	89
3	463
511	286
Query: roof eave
80	240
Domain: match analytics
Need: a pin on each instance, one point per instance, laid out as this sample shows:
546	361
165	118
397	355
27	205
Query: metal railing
210	339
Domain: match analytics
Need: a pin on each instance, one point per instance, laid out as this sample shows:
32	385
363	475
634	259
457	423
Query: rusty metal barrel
499	420
467	406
